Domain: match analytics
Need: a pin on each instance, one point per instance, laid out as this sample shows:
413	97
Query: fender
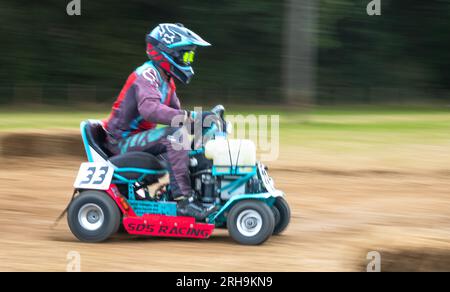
268	198
120	200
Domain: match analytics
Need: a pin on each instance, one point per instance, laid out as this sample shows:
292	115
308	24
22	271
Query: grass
369	125
16	121
359	138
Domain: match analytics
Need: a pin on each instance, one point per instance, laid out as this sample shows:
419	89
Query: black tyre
250	222
93	216
282	214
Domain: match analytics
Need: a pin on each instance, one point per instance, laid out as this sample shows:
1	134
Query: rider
148	98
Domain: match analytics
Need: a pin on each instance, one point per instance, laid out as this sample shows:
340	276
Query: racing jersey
146	99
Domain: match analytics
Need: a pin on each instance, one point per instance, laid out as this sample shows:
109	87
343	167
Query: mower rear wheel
93	216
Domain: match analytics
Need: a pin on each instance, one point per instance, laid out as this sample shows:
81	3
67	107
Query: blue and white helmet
171	47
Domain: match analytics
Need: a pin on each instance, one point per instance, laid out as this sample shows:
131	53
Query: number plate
94	175
266	179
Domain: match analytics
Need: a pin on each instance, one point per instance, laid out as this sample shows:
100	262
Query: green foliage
42	45
400	56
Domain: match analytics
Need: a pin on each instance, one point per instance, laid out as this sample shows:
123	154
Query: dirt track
338	216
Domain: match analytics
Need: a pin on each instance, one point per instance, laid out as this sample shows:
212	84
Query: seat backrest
95	137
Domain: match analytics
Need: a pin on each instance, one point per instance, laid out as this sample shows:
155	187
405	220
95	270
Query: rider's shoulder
148	74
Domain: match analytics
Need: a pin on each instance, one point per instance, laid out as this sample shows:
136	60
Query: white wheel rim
91	217
249	223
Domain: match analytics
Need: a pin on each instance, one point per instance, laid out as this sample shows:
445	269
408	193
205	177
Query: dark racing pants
164	141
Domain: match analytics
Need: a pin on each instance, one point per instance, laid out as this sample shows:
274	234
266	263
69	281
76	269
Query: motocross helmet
171	47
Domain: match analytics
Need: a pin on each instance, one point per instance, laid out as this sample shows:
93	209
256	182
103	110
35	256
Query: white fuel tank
231	152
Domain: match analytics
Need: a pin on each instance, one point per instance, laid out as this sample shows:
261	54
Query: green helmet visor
185	57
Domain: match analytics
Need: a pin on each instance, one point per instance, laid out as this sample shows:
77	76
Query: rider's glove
207	120
190	118
191	115
199	119
209	117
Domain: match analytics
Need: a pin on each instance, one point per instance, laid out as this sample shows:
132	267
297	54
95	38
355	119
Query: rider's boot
188	206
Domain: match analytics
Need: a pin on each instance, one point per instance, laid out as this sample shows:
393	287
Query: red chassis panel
167	226
158	225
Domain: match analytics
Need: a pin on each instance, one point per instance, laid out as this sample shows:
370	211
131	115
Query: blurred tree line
401	56
47	56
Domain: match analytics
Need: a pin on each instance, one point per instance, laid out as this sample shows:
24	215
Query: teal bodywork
143	171
233	170
141	207
244	175
85	141
219	217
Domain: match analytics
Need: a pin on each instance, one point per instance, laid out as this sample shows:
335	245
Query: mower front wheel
250	222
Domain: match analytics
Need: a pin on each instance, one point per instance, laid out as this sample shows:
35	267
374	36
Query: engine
224	162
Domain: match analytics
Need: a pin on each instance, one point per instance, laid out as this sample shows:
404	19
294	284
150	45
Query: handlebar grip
219	110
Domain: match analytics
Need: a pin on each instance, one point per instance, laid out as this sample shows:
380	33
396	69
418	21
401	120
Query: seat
133	162
96	138
139	160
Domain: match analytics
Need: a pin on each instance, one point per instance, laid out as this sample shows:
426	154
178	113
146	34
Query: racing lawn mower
111	192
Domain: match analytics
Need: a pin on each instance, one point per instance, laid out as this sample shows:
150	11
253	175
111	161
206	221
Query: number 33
100	175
